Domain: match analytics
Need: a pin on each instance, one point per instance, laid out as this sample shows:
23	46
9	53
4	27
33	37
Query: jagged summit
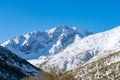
44	43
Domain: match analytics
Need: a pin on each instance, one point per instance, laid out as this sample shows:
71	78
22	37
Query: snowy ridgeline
84	50
67	48
35	44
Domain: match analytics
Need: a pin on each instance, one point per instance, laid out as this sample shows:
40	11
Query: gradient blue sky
18	17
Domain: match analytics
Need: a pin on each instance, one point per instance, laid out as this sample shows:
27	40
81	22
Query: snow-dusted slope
90	48
106	68
13	67
35	45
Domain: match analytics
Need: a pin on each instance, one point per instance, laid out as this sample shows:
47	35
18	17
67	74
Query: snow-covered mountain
65	47
86	50
13	67
36	44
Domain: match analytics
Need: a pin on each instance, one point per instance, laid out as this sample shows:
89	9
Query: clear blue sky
18	17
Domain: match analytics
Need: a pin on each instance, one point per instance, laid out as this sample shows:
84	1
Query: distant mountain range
65	47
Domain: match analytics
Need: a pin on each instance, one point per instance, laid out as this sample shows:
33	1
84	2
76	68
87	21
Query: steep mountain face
13	67
86	50
41	45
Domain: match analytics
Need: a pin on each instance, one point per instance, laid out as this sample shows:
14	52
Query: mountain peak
33	33
58	29
35	44
62	26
